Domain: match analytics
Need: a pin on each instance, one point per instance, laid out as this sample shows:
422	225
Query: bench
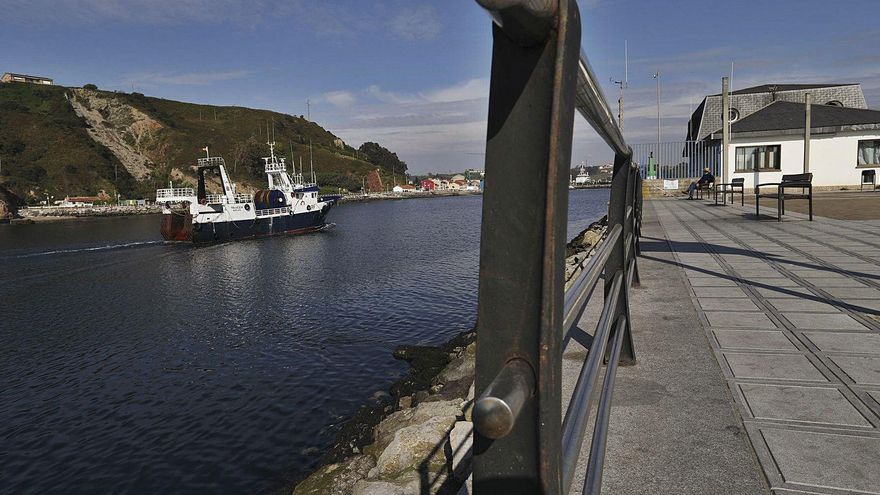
804	182
706	186
869	177
732	187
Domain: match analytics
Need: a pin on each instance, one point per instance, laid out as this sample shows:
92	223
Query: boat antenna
300	166
207	155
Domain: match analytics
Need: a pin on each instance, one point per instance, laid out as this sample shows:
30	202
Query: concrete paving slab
719	292
826	282
726	304
853	292
817	321
838	461
739	319
870	304
803	404
802	305
779	292
711	282
866	343
765	340
774	282
862	370
794	367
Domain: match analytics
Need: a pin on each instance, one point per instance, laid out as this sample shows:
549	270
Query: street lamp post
657	77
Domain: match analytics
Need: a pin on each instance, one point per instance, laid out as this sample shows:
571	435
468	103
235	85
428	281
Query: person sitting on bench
707	178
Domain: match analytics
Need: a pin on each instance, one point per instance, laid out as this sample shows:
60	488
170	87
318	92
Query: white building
770	142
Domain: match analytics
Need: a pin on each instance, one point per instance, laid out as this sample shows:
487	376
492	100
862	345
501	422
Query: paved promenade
791	311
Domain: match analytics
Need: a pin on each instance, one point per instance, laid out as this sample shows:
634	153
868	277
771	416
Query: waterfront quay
758	353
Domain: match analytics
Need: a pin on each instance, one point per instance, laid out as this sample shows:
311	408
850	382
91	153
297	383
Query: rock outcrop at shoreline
417	440
95	211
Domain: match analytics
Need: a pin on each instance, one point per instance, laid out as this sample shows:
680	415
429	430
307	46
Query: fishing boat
289	205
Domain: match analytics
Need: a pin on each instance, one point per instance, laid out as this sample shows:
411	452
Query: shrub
90	86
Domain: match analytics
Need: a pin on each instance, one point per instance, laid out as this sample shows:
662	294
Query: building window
835	103
869	153
733	115
751	158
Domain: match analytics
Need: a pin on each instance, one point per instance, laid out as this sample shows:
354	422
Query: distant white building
770	142
9	77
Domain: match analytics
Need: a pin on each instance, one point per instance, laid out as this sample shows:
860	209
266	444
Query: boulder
416	447
377	488
336	479
385	431
459	449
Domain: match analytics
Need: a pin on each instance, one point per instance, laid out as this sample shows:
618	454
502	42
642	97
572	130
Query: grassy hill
67	141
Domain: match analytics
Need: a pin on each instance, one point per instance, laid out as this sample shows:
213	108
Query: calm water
130	365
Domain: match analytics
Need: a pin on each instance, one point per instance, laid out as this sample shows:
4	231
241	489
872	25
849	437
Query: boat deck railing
539	78
174	193
275	167
222	199
273	211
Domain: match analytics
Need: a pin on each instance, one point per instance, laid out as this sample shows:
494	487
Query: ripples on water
131	365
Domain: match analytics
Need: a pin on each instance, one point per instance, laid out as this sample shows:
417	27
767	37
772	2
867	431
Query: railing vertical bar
593	481
581	399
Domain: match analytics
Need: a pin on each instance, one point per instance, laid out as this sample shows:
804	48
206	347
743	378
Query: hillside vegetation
69	141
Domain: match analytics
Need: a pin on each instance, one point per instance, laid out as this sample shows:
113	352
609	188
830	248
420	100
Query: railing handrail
175	191
539	78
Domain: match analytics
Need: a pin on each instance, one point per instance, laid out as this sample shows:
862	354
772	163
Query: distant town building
706	119
24	78
427	185
457	177
472	174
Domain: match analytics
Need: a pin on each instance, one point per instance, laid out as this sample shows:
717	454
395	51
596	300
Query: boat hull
181	227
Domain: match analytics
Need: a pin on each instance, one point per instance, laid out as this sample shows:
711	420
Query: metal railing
272	211
677	159
177	192
222	199
539	77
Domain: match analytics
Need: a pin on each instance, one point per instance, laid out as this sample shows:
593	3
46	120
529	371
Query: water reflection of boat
289	205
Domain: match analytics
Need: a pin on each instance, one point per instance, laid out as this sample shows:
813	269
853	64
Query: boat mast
311	162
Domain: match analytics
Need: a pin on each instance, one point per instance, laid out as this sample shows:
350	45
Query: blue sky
413	74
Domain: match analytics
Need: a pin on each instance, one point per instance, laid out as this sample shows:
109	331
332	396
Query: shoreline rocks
400	444
48	214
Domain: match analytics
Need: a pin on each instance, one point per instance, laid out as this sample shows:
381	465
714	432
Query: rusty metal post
621	195
523	235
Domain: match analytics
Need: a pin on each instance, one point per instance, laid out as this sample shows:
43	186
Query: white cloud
419	22
340	98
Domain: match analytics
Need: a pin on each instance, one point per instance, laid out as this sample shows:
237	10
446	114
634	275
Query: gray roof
770	88
781	115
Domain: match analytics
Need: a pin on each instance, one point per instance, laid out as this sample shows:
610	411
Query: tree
382	157
90	86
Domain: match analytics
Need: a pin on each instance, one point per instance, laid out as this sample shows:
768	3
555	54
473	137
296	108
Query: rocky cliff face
8	204
126	131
